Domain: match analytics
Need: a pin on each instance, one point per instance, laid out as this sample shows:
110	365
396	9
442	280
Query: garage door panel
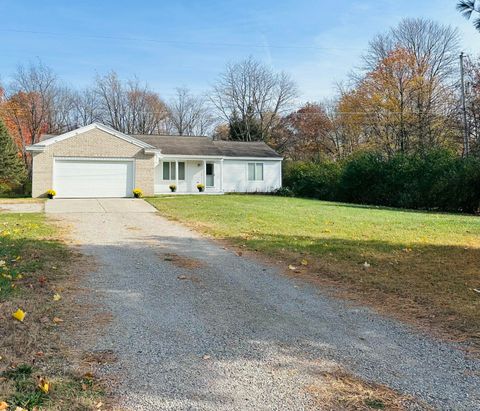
93	178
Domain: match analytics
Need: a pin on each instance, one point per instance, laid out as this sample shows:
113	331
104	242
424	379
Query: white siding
236	176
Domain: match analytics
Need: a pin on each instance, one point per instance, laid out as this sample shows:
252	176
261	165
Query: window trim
255	164
171	170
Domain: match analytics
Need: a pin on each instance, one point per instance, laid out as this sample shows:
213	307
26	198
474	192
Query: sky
187	43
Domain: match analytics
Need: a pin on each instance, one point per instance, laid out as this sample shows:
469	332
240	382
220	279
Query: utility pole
466	142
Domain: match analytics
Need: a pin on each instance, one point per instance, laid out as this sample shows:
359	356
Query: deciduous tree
251	94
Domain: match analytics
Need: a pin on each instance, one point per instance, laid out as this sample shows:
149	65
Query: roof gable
99	126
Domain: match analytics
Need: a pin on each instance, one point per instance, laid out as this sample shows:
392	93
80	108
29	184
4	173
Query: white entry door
93	178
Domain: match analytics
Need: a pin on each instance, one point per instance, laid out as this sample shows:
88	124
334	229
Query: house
98	161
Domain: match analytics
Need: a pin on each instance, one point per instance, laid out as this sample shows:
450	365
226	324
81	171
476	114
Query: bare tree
60	115
129	107
189	114
86	108
251	94
30	103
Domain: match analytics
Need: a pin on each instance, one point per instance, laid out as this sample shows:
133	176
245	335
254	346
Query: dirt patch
100	357
182	262
341	391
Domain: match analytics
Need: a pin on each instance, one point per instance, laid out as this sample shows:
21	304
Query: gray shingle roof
183	145
202	146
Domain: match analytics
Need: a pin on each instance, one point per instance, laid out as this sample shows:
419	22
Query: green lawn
419	265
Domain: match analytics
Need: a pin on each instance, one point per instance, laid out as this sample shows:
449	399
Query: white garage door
93	178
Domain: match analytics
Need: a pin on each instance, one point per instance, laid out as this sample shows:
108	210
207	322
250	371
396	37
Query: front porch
187	173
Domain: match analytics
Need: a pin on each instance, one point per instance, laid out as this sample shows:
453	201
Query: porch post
221	175
176	174
205	174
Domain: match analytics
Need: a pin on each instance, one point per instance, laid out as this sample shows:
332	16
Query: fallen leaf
57	297
57	320
3	405
88	376
39	354
366	265
2	263
19	315
292	267
206	357
239	253
304	262
20	409
182	277
44	385
99	404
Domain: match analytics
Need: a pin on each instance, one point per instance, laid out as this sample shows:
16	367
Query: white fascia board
35	148
254	158
155	151
98	126
193	157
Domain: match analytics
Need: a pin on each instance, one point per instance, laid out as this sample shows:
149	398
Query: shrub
283	192
435	180
316	180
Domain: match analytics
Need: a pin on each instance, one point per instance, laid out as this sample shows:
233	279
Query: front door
210	181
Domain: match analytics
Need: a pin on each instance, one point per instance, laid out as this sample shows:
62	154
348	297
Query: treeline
406	98
396	134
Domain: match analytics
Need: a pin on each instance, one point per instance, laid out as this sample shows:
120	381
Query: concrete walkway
98	205
197	327
18	207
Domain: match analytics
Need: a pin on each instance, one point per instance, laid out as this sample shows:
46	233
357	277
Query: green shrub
316	180
436	180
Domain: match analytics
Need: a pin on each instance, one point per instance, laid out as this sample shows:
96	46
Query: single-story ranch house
98	161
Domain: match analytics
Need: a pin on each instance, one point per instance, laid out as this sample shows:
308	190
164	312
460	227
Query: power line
178	42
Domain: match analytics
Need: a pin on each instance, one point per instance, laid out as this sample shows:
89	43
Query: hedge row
436	180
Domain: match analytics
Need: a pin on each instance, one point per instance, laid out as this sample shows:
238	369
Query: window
210	180
255	171
169	170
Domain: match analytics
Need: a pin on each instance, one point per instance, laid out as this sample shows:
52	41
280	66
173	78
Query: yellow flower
57	297
19	315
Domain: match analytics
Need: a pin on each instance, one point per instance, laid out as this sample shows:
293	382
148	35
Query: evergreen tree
245	129
12	168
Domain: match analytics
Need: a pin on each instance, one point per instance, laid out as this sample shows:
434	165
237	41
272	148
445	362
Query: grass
34	265
341	391
419	266
20	200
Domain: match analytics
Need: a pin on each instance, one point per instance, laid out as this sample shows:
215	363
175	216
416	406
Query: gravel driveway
197	327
